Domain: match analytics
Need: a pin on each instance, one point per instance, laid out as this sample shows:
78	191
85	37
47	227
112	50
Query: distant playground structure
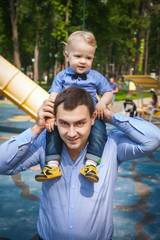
20	89
140	82
143	81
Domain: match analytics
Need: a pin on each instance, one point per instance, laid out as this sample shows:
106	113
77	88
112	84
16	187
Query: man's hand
107	115
44	112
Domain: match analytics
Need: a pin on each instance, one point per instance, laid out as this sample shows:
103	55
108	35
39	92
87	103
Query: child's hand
50	124
100	109
108	115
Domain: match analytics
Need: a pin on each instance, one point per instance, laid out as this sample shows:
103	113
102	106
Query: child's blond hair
87	36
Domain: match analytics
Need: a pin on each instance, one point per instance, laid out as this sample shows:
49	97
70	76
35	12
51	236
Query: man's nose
71	131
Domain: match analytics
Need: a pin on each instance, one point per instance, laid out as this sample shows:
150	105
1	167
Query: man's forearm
108	115
138	139
13	151
36	129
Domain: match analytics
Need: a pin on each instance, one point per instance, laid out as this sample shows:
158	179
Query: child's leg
54	145
97	141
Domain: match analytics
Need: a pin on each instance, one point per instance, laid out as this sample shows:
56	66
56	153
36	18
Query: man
72	207
115	89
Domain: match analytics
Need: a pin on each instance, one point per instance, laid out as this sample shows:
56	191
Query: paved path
136	201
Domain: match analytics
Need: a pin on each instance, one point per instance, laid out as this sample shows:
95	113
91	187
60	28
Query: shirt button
72	186
70	227
72	206
31	142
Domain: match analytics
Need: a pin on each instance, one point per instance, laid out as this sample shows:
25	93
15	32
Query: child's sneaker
48	173
90	172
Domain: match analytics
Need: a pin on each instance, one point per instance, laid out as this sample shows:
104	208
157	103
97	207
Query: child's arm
103	102
50	121
53	96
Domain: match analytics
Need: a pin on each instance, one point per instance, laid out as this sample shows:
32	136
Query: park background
127	34
128	42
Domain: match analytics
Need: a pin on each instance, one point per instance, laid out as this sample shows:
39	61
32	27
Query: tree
6	45
120	27
154	38
66	26
15	7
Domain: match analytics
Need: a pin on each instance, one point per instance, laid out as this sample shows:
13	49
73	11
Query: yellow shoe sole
48	173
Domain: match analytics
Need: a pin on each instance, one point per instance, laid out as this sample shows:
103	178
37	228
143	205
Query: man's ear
94	117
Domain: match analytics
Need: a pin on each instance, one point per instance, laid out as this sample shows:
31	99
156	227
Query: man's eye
80	124
63	123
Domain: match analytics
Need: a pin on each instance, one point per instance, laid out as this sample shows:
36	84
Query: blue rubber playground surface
136	199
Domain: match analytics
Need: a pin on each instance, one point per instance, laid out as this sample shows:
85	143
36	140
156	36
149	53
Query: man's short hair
73	97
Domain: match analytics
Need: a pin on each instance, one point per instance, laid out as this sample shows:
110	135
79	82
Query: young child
79	51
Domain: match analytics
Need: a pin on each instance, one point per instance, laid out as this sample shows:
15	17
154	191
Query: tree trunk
55	68
36	61
137	56
106	70
110	58
14	19
138	41
67	16
146	51
66	26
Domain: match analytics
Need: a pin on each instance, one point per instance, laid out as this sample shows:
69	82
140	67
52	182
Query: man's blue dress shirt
72	207
95	83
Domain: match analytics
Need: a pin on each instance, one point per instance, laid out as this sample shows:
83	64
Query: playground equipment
20	89
143	81
146	82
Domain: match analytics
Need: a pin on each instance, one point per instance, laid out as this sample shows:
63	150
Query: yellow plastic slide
20	89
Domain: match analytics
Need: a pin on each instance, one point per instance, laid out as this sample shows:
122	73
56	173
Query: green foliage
114	23
6	47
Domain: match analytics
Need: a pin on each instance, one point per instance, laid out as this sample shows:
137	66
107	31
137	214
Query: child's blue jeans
97	140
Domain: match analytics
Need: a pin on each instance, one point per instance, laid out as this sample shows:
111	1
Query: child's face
80	55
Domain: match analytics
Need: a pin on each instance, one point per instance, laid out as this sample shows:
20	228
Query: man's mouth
72	140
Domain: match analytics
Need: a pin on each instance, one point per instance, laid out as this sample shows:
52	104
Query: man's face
80	55
111	80
74	127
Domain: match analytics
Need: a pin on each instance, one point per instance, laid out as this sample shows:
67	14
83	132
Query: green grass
123	94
